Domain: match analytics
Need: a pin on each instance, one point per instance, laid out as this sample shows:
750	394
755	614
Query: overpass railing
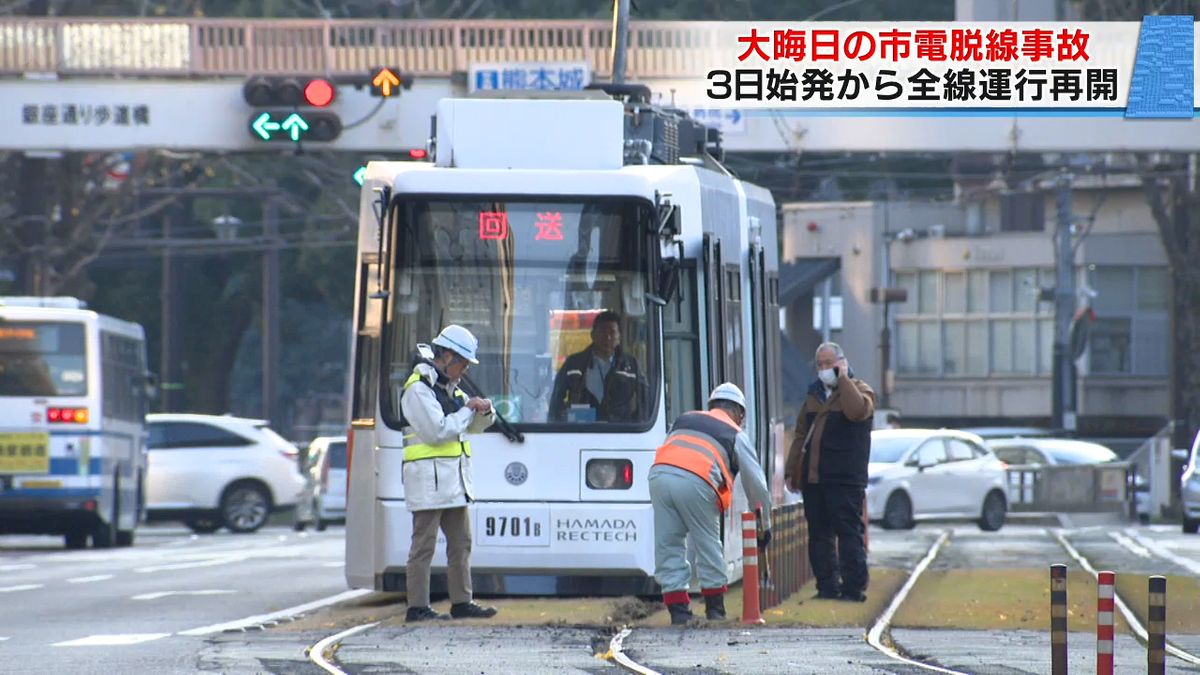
201	47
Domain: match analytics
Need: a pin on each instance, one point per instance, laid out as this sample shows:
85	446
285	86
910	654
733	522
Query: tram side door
714	311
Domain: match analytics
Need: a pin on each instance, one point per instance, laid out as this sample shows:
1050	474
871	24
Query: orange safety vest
697	452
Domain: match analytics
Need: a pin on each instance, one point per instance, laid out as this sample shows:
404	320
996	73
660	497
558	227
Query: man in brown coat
827	463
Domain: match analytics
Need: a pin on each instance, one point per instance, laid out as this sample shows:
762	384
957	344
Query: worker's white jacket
442	482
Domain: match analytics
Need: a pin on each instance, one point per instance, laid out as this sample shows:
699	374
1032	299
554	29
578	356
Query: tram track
1131	619
878	636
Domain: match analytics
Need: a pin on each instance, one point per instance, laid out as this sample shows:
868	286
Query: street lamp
226	226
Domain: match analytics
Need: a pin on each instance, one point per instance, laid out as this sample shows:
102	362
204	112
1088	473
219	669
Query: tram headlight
609	474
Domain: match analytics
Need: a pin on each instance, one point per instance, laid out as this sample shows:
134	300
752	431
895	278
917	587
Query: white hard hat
458	340
728	391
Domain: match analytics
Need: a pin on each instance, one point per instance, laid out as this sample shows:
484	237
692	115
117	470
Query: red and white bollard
1104	622
750	611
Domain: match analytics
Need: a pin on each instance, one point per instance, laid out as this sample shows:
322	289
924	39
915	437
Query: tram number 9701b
512	526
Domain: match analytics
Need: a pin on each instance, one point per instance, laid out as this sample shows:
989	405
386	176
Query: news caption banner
1125	69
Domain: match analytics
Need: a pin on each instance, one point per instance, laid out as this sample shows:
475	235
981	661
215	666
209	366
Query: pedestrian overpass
176	83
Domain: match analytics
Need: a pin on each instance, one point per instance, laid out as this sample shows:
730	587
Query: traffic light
388	81
295	126
299	123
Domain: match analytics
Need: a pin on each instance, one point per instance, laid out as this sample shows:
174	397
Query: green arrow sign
263	126
295	125
360	175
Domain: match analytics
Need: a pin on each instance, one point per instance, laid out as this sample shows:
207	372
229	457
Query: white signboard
543	76
729	121
124	115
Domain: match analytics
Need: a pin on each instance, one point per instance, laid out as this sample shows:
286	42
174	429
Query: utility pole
170	372
620	41
270	311
1063	394
33	217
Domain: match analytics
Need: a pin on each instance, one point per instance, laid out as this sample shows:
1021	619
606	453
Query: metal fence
1071	488
786	558
190	47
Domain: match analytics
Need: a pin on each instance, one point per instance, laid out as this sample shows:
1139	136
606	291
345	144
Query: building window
954	285
1131	334
1000	292
954	351
1110	342
927	303
974	323
1023	212
977	291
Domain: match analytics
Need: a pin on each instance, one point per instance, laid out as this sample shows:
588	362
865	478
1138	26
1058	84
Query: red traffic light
318	93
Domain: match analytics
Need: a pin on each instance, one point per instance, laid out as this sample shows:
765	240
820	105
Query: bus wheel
104	535
76	539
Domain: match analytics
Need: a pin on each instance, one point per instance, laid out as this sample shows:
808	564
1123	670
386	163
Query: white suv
217	470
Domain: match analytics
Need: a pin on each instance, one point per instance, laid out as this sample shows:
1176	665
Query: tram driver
602	382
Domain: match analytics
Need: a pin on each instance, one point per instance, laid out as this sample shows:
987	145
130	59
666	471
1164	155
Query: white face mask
827	377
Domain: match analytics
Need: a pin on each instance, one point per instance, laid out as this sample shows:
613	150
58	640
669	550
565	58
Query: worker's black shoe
423	614
714	607
470	610
854	596
681	613
827	595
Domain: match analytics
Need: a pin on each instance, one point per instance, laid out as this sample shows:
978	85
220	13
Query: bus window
42	359
531	280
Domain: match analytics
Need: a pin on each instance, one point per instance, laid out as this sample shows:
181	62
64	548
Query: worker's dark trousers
835	537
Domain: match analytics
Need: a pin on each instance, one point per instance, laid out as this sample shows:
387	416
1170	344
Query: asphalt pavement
181	603
150	608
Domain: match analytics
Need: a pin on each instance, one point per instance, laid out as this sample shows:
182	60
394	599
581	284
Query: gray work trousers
456	523
685	506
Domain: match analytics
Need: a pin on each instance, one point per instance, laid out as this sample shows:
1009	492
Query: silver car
1189	489
324	498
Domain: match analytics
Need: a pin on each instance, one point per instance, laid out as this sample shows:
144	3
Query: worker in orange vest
691	486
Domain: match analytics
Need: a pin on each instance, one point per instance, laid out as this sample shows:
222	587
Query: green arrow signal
295	125
360	175
263	126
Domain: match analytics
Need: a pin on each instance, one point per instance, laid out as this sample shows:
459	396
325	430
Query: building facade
973	342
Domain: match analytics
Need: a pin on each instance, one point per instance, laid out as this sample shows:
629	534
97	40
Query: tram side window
366	351
681	348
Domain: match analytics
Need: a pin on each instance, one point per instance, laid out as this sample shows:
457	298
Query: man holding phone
827	463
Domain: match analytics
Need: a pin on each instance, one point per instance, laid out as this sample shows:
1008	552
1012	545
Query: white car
217	470
1189	488
324	497
921	474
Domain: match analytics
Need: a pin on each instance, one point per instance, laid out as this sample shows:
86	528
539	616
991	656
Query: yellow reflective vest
419	450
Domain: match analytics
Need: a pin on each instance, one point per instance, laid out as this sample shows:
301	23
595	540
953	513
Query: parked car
1053	451
922	474
1189	489
1067	451
988	433
213	471
323	500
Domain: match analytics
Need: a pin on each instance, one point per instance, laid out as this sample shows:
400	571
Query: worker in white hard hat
691	486
437	471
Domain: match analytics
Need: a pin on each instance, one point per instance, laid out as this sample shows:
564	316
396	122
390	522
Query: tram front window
554	290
